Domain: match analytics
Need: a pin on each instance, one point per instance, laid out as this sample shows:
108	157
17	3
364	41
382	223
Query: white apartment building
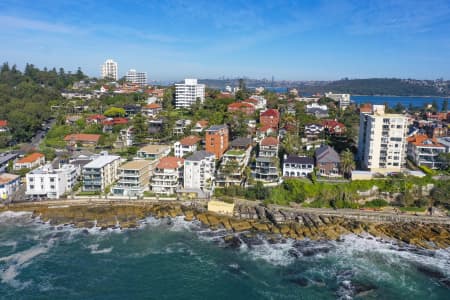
100	173
47	182
199	169
186	145
344	99
110	70
136	77
382	140
168	175
188	92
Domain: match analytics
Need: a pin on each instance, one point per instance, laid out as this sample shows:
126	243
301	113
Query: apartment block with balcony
382	140
47	182
134	179
266	165
232	167
297	166
425	151
100	173
168	175
199	169
216	140
153	152
187	93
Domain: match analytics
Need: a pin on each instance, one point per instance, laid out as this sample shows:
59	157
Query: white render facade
199	170
188	92
136	77
382	140
110	69
344	99
100	173
51	183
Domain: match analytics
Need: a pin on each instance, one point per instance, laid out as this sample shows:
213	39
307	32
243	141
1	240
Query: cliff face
272	221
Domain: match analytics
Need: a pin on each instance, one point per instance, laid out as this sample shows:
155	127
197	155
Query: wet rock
232	241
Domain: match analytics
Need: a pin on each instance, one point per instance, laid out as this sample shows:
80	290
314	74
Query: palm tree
347	162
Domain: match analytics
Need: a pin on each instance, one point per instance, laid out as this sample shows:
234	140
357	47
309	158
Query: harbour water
393	100
175	259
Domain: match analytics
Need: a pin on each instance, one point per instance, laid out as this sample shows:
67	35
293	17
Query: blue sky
293	40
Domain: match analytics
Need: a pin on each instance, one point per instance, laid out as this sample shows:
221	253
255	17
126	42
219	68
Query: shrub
376	203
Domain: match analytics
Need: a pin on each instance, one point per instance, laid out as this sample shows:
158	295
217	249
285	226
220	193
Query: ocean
393	100
175	259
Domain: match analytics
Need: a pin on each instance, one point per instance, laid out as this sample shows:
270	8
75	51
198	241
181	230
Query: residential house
343	99
9	184
4	126
264	131
181	126
153	152
328	161
6	158
297	166
199	126
132	110
134	177
186	145
156	126
85	139
48	182
151	110
266	166
100	173
319	111
30	161
168	175
95	119
259	101
243	107
313	131
333	127
72	119
199	170
109	123
445	141
425	151
217	140
125	138
241	143
270	118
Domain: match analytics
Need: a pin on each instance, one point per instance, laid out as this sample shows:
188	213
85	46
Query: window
31	187
52	179
52	187
31	179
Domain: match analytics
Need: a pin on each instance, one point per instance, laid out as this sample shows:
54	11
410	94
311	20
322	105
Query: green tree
140	128
347	163
445	105
115	112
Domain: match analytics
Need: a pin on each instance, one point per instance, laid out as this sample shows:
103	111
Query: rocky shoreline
253	219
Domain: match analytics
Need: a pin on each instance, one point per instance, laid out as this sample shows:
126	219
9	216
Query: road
39	136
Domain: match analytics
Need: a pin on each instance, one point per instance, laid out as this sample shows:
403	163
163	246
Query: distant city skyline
173	40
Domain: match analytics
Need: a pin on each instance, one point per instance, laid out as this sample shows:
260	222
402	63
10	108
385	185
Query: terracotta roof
238	105
82	137
423	140
365	108
265	128
3	123
190	140
96	117
269	141
271	113
30	158
152	106
250	100
170	162
203	123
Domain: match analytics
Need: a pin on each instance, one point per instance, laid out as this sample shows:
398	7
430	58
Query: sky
290	40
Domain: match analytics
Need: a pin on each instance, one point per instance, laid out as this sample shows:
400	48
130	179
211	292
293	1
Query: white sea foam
14	214
276	254
17	261
94	249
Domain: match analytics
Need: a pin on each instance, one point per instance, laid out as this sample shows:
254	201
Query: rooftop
3	123
154	149
134	165
101	161
30	158
269	141
293	159
327	154
170	162
152	106
271	113
235	152
190	140
200	155
82	137
241	142
217	127
423	140
6	178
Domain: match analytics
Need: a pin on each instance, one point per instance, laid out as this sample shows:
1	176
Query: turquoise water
174	259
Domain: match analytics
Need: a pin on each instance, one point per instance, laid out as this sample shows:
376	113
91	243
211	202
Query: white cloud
34	25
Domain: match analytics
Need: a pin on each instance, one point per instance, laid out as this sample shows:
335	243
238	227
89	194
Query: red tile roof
203	123
30	158
420	139
170	162
365	108
152	106
190	140
271	113
82	137
6	178
3	123
269	141
96	117
238	105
